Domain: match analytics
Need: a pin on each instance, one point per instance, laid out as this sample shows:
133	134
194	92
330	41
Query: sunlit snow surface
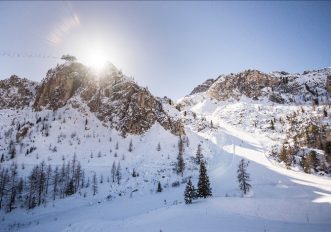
281	199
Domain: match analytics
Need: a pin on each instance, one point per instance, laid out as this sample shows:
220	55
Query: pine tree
113	172
56	177
32	183
12	149
118	173
48	176
70	188
204	189
159	187
243	177
130	146
41	175
12	190
94	184
187	142
4	180
325	112
190	192
180	159
272	125
158	148
199	155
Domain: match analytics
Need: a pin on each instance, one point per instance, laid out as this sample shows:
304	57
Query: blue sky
168	46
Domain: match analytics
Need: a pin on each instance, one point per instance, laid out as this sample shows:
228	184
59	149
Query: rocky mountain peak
249	83
60	85
280	87
16	92
203	87
115	99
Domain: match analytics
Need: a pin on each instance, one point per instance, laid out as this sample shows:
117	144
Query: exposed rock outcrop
16	92
128	107
279	87
113	97
203	87
59	86
23	131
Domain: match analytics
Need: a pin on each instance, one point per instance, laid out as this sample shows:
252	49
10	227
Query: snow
281	200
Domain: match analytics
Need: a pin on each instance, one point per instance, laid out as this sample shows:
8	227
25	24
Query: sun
96	60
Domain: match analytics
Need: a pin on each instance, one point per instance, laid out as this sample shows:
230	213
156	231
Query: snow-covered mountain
278	87
16	93
291	109
279	122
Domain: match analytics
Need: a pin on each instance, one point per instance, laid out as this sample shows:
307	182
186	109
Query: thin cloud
64	27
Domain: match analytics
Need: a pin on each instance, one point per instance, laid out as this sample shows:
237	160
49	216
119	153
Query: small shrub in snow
130	146
159	187
175	184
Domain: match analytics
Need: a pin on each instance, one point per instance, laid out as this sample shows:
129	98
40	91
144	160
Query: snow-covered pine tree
41	183
70	189
11	150
32	183
180	159
159	187
272	125
4	180
48	177
113	172
118	173
190	192
130	146
204	189
12	190
243	176
198	155
94	184
55	181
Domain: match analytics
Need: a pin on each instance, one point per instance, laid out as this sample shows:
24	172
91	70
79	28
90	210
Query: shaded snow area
280	199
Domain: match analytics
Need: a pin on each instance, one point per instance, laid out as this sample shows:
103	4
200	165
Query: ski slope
281	200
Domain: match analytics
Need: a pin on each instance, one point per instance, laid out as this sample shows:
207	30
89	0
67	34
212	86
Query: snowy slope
228	130
282	200
287	108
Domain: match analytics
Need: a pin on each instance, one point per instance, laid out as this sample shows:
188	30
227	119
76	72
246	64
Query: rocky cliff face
203	87
279	87
113	97
128	107
59	86
16	92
